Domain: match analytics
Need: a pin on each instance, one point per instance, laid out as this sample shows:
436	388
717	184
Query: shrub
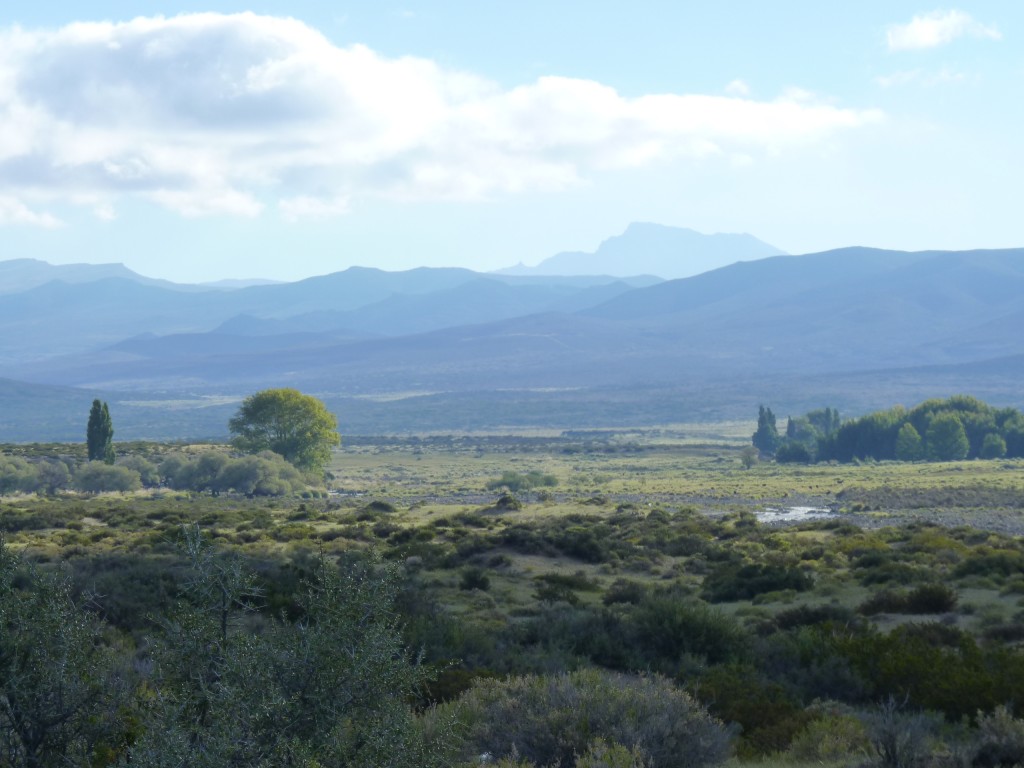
885	601
474	578
931	598
549	720
384	507
98	477
831	736
667	628
1000	740
601	754
767	713
584	543
1000	564
58	687
507	503
901	739
730	582
624	591
926	598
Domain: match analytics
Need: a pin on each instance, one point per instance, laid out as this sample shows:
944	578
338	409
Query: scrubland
550	587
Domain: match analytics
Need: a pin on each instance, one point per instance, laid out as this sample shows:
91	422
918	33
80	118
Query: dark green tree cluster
804	434
99	433
960	427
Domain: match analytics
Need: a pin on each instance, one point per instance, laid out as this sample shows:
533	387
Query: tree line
286	438
953	429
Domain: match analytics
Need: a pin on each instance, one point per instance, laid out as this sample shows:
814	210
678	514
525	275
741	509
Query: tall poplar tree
766	439
99	434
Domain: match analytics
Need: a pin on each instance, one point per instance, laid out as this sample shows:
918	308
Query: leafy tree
992	447
51	476
748	457
266	474
909	446
147	470
1013	433
99	433
825	421
766	438
16	475
199	474
793	453
946	438
99	477
287	422
871	436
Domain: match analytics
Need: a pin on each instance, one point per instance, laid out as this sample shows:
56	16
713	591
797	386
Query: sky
202	141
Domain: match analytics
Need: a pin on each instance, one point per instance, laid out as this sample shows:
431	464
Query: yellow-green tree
287	422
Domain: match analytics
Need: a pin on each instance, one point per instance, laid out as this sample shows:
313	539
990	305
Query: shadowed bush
730	582
549	720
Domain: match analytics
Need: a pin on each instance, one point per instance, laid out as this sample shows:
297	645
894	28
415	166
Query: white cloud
13	211
937	28
305	207
104	212
737	88
211	114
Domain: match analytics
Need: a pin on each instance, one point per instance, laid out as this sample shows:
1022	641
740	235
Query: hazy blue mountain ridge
854	327
18	275
645	248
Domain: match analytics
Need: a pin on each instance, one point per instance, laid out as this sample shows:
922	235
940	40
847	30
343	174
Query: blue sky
281	140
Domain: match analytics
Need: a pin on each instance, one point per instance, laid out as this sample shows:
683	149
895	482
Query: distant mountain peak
654	249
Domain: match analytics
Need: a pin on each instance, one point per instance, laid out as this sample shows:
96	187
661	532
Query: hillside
855	328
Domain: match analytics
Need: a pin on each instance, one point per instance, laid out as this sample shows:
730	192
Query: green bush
731	582
549	720
931	598
926	598
601	754
833	734
474	578
98	477
667	627
768	715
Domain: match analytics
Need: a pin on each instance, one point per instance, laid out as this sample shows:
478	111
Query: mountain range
445	349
